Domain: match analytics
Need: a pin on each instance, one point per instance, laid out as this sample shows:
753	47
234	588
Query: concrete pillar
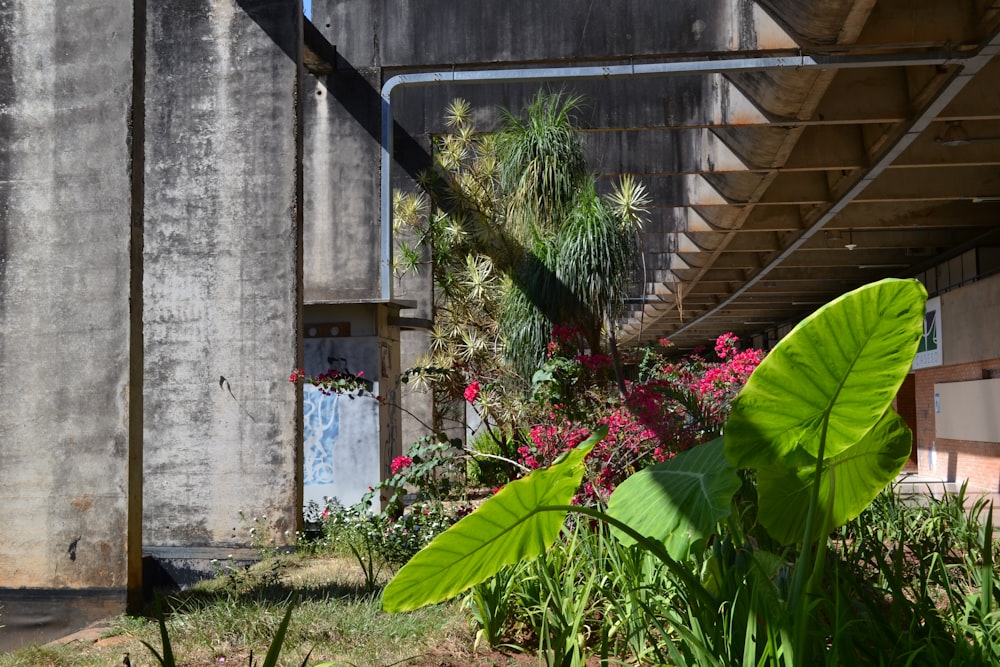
69	405
222	279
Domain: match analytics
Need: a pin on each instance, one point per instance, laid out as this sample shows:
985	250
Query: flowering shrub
392	541
428	467
594	362
707	388
400	463
568	380
674	406
336	382
629	446
378	541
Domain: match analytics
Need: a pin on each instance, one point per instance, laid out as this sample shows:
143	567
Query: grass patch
234	614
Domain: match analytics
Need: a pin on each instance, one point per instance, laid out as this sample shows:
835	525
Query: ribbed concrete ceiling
755	204
773	190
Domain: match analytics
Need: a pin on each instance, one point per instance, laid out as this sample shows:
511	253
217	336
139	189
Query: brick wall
953	460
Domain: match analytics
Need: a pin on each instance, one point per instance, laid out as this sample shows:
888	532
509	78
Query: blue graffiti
321	428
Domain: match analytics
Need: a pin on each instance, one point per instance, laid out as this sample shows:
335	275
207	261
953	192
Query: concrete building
192	194
150	282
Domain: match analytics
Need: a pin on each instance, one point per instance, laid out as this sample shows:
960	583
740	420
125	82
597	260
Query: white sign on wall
929	349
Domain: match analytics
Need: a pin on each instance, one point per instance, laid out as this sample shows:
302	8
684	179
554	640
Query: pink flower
297	374
726	345
472	392
594	362
400	463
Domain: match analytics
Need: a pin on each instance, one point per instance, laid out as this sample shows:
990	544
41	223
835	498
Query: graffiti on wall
321	428
929	351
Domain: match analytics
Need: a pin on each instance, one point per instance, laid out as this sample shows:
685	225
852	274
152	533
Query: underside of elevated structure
827	178
870	151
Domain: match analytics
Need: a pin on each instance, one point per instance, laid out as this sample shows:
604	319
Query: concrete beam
946	182
661	152
922	21
525	30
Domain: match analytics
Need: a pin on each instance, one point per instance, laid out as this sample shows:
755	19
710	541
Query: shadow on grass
273	581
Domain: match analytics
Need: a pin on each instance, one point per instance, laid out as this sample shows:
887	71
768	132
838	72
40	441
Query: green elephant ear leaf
512	526
677	502
830	380
849	482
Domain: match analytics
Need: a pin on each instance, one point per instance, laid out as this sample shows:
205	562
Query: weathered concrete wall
65	217
341	166
221	282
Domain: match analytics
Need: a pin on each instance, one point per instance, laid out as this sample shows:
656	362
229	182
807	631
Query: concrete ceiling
797	185
874	151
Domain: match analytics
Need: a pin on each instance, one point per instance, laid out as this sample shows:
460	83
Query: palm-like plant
541	166
578	250
519	240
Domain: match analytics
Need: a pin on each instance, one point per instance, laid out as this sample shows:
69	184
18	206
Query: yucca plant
518	240
541	166
579	250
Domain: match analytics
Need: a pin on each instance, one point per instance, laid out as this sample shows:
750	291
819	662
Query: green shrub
486	471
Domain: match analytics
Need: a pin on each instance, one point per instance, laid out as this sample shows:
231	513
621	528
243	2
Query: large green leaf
511	526
835	374
677	502
849	482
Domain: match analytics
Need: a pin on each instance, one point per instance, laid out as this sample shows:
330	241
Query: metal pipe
672	68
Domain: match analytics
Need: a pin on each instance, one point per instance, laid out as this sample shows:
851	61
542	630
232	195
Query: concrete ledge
910	485
919	489
39	615
172	568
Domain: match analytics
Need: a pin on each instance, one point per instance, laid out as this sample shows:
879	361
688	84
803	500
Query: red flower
400	463
472	392
297	374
